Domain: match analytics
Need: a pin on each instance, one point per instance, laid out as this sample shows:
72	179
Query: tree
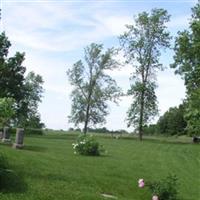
187	64
142	44
26	91
7	110
93	87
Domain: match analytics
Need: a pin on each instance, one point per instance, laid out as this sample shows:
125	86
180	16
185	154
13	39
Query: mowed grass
48	169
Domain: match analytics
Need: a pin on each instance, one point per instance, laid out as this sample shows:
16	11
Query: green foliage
87	145
142	44
165	189
187	64
173	122
93	87
7	110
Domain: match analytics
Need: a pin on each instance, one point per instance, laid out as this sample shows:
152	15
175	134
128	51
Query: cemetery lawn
48	169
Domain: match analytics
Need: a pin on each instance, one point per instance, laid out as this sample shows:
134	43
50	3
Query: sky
53	35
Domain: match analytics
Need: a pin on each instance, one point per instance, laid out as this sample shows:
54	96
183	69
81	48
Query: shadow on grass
10	182
95	157
34	148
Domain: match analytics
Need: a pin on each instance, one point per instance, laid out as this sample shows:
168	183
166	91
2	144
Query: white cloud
59	28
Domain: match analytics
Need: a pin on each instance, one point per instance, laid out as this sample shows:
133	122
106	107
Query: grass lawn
48	169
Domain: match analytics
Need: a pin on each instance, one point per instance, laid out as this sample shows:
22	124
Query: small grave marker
109	196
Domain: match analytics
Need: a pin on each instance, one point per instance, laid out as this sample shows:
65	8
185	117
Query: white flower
74	145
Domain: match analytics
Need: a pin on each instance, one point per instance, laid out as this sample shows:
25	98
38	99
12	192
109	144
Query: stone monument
6	135
19	138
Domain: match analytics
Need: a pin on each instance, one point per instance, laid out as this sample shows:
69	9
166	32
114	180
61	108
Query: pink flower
155	197
141	183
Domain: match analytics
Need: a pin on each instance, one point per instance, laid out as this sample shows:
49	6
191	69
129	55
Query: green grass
48	169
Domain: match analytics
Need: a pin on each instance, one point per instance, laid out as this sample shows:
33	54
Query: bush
87	145
165	189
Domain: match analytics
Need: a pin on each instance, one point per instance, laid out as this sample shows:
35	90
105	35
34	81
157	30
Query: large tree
187	64
25	90
28	115
93	87
142	44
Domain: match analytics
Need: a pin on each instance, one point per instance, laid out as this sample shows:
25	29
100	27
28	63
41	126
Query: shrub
165	189
87	145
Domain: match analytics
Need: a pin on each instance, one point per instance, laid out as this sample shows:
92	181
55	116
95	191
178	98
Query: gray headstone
19	138
6	135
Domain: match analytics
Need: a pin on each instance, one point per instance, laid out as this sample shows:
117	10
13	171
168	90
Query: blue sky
54	33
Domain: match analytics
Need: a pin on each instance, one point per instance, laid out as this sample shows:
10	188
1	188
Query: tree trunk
92	84
141	116
86	120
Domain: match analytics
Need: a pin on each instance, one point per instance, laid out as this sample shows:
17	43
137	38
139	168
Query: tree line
141	45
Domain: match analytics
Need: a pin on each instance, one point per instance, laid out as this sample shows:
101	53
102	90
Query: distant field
48	169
